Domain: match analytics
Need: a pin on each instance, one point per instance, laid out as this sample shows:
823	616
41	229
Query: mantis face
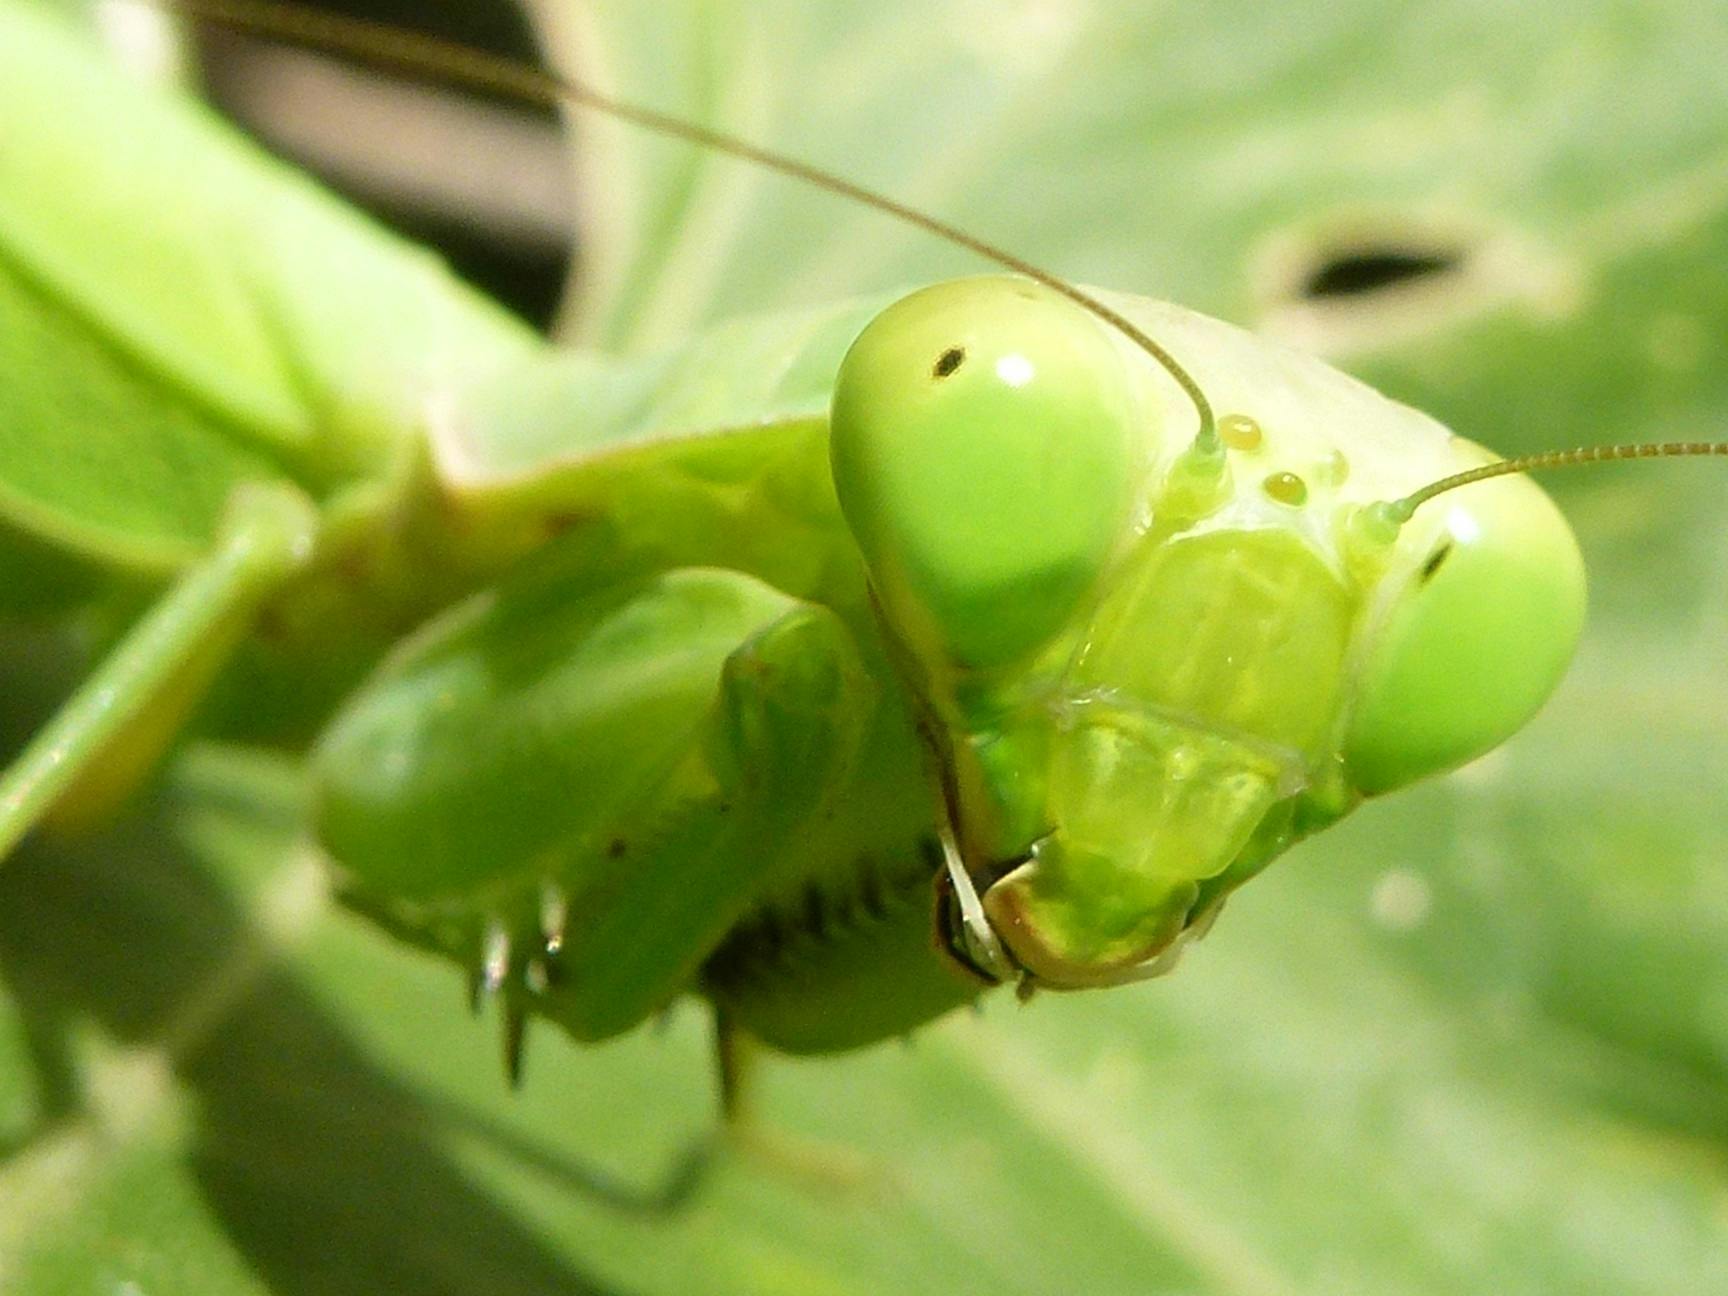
1149	662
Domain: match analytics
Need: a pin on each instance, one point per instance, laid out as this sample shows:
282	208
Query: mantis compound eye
990	445
1481	623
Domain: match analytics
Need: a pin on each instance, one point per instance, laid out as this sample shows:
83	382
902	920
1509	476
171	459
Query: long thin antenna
1403	508
403	51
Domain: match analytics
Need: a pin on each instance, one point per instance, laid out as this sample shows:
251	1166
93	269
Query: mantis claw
537	977
981	946
476	991
515	1043
495	958
554	917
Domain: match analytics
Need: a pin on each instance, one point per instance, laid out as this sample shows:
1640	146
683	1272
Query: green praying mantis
995	636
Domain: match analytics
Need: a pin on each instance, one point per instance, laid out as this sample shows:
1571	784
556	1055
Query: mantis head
1143	676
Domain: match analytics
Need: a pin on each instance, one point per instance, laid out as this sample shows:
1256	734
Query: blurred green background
1473	1040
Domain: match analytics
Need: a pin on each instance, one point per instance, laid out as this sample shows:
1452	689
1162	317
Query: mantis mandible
1018	627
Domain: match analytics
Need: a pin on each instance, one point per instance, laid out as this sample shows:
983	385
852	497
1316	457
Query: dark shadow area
1371	269
323	1171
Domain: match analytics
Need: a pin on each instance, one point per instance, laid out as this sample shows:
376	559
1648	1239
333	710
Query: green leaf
177	314
1473	1040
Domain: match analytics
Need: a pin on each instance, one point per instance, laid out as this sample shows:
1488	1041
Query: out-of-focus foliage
1474	1040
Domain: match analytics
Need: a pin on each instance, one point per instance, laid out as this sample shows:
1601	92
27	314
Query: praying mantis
995	725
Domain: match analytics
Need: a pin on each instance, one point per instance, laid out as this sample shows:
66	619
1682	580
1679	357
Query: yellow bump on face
1285	488
1333	468
1240	432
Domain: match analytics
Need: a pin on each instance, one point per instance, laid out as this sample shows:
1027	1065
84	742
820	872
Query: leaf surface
1473	1040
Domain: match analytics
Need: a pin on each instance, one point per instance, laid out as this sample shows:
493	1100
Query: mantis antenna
1399	511
402	51
411	52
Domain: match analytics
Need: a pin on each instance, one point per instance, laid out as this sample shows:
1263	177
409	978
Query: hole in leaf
1364	280
1370	269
